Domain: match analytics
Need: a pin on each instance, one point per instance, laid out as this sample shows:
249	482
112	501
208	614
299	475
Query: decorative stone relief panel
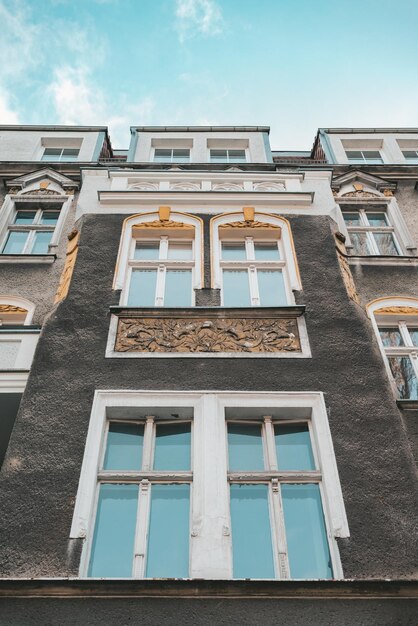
268	186
227	187
185	186
145	186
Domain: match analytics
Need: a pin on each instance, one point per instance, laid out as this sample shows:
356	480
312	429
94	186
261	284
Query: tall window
161	272
143	501
364	156
227	156
277	518
30	231
204	485
370	232
172	155
252	273
400	342
60	154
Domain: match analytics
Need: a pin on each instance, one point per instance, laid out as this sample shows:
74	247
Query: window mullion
403	329
372	243
280	531
148	443
160	286
141	532
254	293
270	443
29	242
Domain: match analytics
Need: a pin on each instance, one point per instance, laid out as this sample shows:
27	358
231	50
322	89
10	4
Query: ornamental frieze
203	335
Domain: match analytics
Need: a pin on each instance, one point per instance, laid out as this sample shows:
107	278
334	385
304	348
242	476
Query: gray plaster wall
407	199
37	282
40	475
207	612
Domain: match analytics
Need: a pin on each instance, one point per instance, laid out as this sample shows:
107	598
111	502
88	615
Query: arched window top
162	251
393	306
15	311
259	242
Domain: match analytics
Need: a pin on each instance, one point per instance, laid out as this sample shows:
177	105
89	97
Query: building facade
220	416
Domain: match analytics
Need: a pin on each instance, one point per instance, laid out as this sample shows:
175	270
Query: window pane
162	154
51	154
252	550
351	219
25	217
180	250
236	155
181	155
306	535
142	288
172	447
404	376
147	251
414	335
360	244
178	288
293	447
124	446
219	156
41	243
234	251
373	155
168	539
354	154
391	337
50	217
15	243
114	534
386	243
245	447
271	288
70	152
377	219
236	288
411	155
266	251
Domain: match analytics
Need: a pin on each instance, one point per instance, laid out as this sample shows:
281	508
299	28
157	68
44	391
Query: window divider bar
267	476
271	449
280	531
133	476
141	532
148	443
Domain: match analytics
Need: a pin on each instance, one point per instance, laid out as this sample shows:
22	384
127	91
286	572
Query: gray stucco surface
206	612
40	475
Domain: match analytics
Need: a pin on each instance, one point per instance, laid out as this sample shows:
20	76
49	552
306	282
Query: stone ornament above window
268	186
144	186
227	187
185	186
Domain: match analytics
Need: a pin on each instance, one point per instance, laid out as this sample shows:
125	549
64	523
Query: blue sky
295	65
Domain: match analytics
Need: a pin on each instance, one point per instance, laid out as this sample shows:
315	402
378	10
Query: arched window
160	260
15	311
253	259
395	322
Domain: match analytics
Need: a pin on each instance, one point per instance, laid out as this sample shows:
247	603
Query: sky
293	65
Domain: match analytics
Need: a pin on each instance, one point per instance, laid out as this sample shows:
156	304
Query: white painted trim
20	302
13	382
210	533
27	344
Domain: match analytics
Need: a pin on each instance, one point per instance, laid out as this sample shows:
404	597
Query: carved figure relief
207	335
67	272
397	310
10	308
249	224
345	268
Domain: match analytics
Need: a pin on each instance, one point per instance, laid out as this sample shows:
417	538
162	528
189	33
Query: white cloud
7	115
198	17
78	100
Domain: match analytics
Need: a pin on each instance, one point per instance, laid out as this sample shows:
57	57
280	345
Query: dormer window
172	155
60	154
364	156
410	156
227	156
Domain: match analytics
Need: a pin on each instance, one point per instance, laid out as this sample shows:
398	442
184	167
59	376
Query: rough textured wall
38	283
40	475
407	199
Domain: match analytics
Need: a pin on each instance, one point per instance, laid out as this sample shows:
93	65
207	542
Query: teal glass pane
271	288
172	447
351	219
245	447
386	243
51	154
162	154
377	219
252	550
293	447
147	251
50	218
142	288
15	243
70	154
181	155
124	446
236	288
180	250
114	533
41	243
233	251
25	217
404	376
219	156
391	337
414	335
266	251
237	155
178	288
360	244
306	536
168	537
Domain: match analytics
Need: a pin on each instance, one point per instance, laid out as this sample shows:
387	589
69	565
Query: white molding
20	302
13	382
383	260
31	259
210	535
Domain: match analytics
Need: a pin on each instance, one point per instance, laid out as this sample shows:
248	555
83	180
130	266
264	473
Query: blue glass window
178	288
142	288
172	447
124	446
15	243
271	288
245	447
41	243
293	447
236	288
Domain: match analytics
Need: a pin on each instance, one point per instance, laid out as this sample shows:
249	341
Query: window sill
36	259
407	405
383	260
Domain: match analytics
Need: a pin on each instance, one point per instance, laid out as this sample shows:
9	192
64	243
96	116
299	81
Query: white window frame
172	159
30	229
59	158
410	160
252	266
365	227
228	160
402	322
364	159
210	535
161	265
